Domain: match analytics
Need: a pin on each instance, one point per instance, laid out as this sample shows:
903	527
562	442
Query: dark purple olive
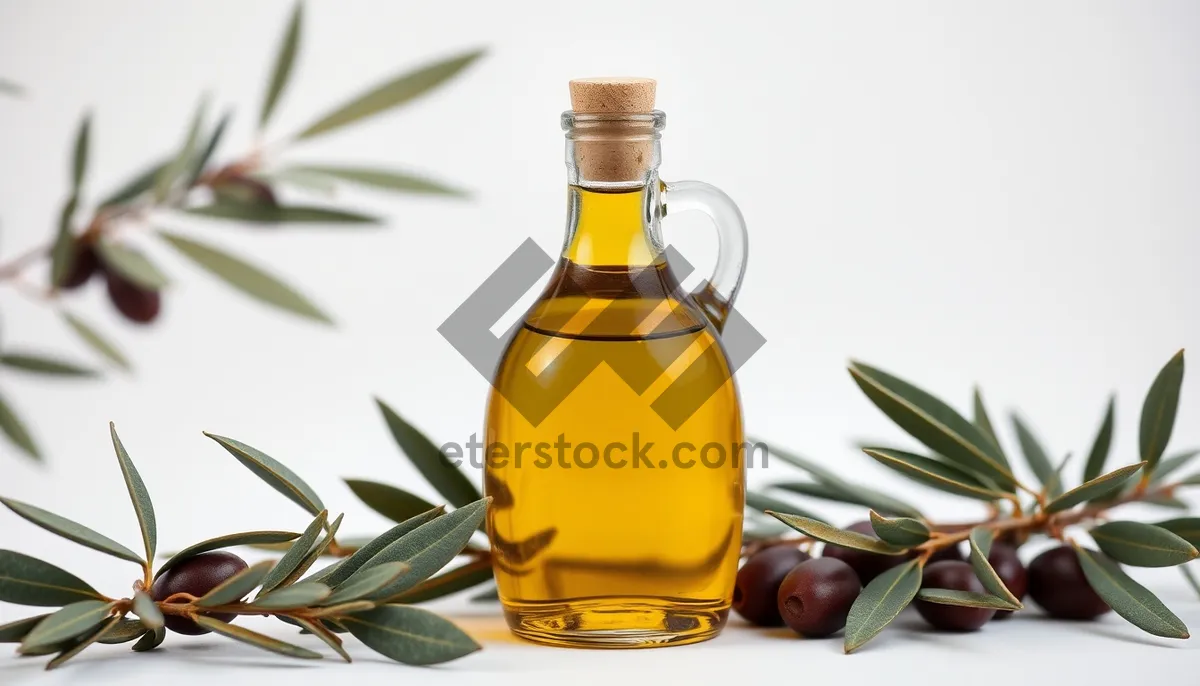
196	576
1004	560
953	575
1058	585
84	264
866	565
137	304
815	597
756	589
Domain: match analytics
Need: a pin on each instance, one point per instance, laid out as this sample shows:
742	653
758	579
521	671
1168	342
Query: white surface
1000	192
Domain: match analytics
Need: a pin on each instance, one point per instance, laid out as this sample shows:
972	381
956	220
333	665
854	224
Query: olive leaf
1169	502
304	594
393	93
62	252
1127	597
293	214
763	502
1096	488
1172	464
16	431
245	277
210	148
945	596
1142	545
131	264
123	631
39	364
13	632
177	167
934	423
384	179
273	472
934	473
982	420
853	496
1102	444
430	460
394	503
428	548
1187	528
236	587
410	635
318	629
1035	455
79	157
1158	412
95	341
295	555
255	639
980	541
881	602
368	583
832	534
901	531
26	580
138	495
1190	578
136	186
315	554
150	640
458	579
9	88
70	530
84	644
342	571
284	60
148	613
73	620
227	541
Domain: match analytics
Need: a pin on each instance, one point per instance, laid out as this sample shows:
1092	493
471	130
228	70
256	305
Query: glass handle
716	295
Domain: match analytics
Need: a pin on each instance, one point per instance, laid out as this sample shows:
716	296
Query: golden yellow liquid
599	552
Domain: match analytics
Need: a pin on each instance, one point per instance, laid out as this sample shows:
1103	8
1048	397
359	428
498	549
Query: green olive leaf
26	580
40	364
255	639
853	495
293	214
273	472
980	541
123	631
390	94
313	555
1158	412
881	602
84	644
1170	465
284	60
383	179
367	583
934	473
1127	597
410	635
71	621
934	423
236	587
832	534
1102	444
245	277
430	460
763	502
79	157
983	421
210	148
182	162
15	429
62	252
1142	545
1187	528
901	531
394	503
136	186
148	613
138	495
340	572
295	555
227	541
1190	579
321	631
150	640
1096	488
458	579
303	594
1035	455
72	531
945	596
131	264
13	632
9	88
95	341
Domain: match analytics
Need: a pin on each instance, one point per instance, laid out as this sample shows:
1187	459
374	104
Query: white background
959	192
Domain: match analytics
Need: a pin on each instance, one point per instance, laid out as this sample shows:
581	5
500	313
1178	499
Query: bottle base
617	622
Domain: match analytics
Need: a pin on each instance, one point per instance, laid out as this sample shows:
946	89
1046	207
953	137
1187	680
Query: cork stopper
612	95
613	150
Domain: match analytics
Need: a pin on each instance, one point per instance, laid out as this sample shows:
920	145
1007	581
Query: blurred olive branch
187	181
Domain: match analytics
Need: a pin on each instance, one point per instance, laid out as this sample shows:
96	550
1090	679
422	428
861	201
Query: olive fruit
816	596
1004	560
1057	583
84	264
956	576
757	584
196	576
866	565
137	304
